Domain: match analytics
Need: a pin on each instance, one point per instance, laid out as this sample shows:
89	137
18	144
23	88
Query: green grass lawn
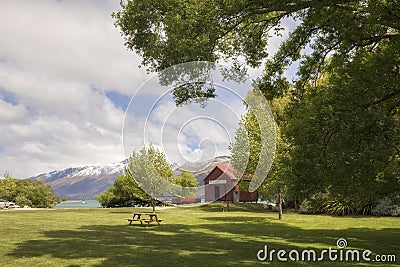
196	236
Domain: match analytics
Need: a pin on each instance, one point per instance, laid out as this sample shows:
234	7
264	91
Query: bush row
323	203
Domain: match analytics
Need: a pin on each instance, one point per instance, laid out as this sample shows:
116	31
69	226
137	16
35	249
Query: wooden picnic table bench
149	218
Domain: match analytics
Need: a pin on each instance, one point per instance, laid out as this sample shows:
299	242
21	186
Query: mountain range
88	181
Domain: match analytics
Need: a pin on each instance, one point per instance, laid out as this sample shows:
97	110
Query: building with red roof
221	185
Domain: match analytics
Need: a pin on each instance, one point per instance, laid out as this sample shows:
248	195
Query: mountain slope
86	182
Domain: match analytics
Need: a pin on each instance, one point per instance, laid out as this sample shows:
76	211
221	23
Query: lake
90	203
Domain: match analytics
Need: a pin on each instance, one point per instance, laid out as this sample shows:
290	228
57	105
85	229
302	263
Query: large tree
246	150
150	169
345	133
168	32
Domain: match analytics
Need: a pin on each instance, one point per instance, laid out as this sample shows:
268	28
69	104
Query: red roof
228	170
233	174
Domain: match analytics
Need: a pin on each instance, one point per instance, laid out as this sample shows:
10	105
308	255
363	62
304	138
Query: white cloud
57	60
70	40
187	133
11	113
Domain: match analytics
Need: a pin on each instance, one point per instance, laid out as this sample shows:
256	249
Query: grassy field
196	236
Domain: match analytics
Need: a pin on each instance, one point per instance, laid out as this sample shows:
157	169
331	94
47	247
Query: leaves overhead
169	32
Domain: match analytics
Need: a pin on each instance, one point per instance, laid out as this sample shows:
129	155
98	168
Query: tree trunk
280	205
153	205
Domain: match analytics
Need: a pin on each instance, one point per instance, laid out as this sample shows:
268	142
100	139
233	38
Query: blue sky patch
193	145
119	100
8	97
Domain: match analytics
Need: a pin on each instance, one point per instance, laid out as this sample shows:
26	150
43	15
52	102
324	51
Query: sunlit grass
196	236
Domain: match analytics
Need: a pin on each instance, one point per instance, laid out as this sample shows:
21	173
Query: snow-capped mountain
86	182
92	170
82	182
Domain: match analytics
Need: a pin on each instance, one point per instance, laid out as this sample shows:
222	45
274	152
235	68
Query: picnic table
144	217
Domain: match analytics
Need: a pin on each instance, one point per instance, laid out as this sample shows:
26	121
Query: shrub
336	207
305	207
314	204
386	207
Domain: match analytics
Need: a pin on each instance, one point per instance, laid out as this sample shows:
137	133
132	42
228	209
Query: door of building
216	192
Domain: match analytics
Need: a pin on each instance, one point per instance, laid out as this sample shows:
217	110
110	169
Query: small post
280	204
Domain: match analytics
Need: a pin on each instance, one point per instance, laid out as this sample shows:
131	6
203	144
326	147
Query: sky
66	81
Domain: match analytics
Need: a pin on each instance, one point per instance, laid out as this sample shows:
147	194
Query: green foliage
147	177
125	189
8	187
306	207
150	169
33	193
162	32
255	140
168	32
332	205
313	204
247	150
345	131
188	183
387	207
23	201
109	197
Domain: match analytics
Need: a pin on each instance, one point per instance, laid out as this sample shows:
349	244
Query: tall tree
246	150
150	169
345	131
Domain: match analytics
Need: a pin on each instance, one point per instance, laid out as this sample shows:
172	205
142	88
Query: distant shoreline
89	203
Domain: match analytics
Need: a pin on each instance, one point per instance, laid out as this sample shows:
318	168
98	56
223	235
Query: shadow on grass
216	241
241	207
122	211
